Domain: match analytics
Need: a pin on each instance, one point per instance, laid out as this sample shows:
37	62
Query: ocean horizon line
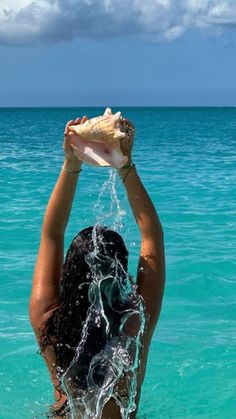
124	106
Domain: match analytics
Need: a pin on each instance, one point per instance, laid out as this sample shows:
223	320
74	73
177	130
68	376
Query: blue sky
89	53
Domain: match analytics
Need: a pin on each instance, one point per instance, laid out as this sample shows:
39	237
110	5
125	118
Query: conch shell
98	139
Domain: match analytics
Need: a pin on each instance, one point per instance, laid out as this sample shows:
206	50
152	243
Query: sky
118	52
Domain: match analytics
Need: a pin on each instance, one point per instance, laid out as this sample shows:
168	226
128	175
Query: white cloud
27	21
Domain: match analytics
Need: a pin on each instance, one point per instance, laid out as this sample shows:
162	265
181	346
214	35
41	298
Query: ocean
186	158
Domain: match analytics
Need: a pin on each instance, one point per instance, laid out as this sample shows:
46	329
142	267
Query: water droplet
123	213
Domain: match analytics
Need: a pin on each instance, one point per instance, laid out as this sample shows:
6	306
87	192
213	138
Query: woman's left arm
48	268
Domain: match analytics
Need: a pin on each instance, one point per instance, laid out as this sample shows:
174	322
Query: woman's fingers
77	121
129	123
67	145
84	119
130	128
71	122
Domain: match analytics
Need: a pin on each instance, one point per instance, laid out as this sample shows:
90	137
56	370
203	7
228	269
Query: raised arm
151	267
48	268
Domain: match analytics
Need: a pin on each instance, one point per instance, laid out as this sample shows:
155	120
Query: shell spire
105	128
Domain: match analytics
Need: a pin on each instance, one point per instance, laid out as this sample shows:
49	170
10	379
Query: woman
79	326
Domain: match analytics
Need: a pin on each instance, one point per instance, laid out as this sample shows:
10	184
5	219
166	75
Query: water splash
114	212
107	358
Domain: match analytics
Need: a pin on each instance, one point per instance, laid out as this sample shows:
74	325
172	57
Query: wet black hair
63	330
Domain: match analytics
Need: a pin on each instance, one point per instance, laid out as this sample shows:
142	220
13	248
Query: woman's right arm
151	267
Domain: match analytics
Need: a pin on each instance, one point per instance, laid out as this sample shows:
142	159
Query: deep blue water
186	158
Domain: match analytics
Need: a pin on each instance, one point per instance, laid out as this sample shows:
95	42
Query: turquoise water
187	161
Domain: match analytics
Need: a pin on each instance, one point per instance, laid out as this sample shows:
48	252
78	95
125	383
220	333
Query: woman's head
95	253
93	247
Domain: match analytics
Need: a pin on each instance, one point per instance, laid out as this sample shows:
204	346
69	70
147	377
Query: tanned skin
48	268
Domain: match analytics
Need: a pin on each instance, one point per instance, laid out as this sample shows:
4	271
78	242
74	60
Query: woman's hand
126	143
72	162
